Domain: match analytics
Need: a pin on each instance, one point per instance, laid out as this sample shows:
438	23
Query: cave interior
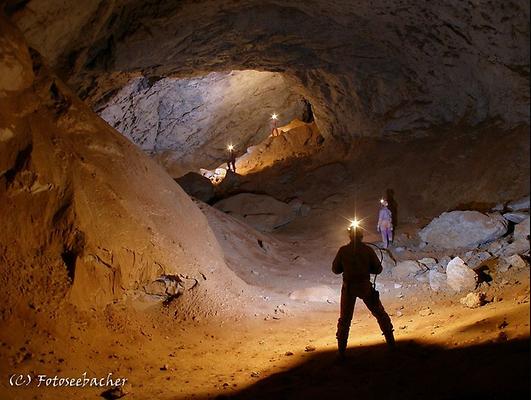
177	177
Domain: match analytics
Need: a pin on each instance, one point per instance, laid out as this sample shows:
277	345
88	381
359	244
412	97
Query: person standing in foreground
385	223
356	261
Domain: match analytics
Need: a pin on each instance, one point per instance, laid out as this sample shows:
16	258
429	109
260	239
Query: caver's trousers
365	291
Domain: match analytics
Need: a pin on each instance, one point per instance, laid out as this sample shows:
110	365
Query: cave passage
194	194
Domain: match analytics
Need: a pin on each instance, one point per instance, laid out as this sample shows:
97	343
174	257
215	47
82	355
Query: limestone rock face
188	123
466	229
459	276
76	213
15	63
297	139
262	212
368	67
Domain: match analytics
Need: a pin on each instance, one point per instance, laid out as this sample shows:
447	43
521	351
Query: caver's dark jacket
356	261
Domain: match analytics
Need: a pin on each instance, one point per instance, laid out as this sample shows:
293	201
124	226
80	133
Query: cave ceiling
369	68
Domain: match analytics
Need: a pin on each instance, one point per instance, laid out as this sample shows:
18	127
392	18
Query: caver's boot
390	339
341	348
342	339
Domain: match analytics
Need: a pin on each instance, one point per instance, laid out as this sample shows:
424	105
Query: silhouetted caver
385	223
231	162
356	261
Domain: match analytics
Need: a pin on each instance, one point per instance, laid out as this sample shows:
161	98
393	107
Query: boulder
521	230
517	205
496	247
230	183
520	244
516	217
443	262
423	276
512	261
428	262
437	280
197	186
473	300
459	276
477	258
406	269
465	229
388	262
262	212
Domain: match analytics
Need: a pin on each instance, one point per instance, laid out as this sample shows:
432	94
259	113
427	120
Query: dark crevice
21	162
71	253
14	6
61	212
36	60
69	258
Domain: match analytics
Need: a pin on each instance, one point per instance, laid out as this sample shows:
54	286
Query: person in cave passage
385	223
273	124
356	261
231	162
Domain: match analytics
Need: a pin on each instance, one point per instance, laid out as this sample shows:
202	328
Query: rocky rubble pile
485	246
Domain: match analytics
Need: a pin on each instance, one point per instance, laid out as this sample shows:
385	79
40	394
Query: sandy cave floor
454	352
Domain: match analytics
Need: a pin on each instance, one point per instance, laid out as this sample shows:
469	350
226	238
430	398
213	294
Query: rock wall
79	218
187	123
368	67
297	140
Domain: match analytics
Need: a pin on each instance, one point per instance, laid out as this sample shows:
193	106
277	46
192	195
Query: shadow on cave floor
413	371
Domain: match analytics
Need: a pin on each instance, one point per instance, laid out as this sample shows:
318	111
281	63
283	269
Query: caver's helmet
355	232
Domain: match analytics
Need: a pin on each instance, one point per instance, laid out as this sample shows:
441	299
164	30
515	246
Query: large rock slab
388	261
467	229
516	216
459	276
520	204
407	269
520	243
262	212
196	185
